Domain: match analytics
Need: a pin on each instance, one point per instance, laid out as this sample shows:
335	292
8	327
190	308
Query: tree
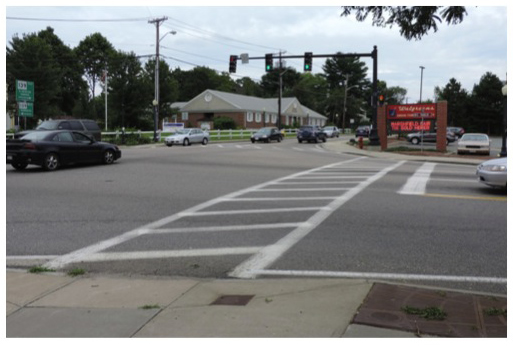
93	52
32	58
349	88
311	90
129	100
457	102
414	22
270	82
486	110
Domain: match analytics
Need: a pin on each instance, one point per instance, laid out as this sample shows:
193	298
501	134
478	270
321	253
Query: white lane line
138	255
269	254
225	228
382	276
83	253
258	199
250	211
455	180
308	189
416	184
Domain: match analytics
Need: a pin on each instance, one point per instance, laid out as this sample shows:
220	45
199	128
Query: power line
77	20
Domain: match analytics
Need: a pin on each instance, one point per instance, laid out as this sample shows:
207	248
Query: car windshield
183	132
475	138
48	125
264	131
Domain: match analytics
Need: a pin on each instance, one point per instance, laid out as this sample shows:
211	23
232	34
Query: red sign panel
413	111
410	125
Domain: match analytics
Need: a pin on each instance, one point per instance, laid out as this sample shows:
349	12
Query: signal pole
157	22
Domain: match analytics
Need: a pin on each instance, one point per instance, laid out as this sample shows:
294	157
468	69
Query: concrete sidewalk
56	305
59	306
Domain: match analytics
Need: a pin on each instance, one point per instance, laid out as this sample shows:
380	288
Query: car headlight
494	168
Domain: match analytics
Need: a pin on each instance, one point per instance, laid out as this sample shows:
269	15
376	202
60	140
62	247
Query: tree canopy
414	22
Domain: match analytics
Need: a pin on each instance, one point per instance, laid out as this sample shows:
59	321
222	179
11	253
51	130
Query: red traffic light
233	63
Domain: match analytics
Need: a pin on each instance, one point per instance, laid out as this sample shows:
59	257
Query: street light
504	152
421	75
346	88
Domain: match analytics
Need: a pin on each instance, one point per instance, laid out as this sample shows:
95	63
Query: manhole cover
239	300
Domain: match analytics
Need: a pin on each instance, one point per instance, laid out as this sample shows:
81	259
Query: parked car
188	136
419	137
458	131
311	133
267	134
493	172
362	131
331	131
52	149
474	143
89	127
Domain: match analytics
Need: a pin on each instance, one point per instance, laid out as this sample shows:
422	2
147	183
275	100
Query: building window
249	117
185	116
258	117
267	118
274	119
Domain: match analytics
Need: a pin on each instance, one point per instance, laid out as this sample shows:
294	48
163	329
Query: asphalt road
243	210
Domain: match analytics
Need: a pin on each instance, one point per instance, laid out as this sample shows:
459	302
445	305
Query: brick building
249	112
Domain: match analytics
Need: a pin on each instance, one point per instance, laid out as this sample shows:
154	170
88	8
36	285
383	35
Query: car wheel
278	139
19	165
169	144
186	142
299	141
324	139
415	141
51	162
252	141
108	157
204	141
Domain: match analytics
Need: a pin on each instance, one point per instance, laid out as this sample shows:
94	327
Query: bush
224	123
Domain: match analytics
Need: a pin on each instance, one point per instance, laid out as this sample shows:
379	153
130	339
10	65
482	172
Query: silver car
331	131
493	172
187	137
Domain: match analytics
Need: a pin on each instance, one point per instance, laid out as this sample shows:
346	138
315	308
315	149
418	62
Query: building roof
211	101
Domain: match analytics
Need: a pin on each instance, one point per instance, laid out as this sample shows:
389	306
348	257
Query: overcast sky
207	36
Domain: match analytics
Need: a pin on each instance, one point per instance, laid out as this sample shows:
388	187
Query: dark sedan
267	134
52	149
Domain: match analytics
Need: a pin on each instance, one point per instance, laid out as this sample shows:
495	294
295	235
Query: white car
474	143
187	136
493	172
331	131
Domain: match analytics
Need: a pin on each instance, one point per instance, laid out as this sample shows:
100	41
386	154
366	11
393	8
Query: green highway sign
26	109
24	91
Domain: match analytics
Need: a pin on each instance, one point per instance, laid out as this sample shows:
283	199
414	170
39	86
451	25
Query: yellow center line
466	197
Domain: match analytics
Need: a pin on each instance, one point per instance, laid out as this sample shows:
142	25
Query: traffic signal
381	100
268	62
308	62
233	63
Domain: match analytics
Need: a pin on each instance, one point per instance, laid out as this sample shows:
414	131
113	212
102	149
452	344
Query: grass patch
76	272
429	313
495	312
39	269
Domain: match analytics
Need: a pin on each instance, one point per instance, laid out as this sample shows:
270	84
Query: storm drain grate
239	300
